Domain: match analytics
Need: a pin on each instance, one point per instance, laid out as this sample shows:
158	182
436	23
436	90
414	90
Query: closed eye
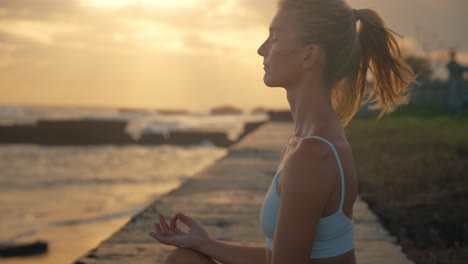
272	39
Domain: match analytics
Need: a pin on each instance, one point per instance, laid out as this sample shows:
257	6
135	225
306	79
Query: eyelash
271	40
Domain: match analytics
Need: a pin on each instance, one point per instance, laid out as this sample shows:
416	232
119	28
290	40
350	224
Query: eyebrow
275	28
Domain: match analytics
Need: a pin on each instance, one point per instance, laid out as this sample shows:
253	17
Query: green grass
413	171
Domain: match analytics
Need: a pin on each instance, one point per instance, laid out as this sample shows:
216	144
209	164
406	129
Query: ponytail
350	53
381	54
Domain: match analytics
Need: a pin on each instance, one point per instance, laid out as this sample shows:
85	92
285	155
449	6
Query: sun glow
155	3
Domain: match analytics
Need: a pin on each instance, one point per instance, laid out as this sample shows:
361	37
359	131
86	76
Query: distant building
451	94
457	88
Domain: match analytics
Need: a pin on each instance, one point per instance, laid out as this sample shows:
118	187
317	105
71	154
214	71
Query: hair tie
356	15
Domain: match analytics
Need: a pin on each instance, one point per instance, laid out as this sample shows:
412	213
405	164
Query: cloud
37	10
209	26
225	14
39	31
140	51
263	10
435	24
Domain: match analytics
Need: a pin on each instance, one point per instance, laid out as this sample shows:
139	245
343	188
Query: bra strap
340	208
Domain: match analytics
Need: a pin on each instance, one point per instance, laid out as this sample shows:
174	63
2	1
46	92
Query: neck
311	108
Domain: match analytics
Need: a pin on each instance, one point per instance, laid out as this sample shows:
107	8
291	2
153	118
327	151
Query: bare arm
306	186
229	253
198	239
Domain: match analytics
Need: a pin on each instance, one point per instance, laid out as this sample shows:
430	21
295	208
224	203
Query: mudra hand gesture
172	235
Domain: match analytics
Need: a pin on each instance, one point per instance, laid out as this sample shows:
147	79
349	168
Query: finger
173	222
178	231
164	226
185	219
158	229
154	235
162	239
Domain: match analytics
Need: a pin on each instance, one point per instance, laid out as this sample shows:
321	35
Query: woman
316	53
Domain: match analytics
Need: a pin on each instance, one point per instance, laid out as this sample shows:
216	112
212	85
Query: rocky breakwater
18	134
280	115
105	132
67	132
185	137
188	137
23	249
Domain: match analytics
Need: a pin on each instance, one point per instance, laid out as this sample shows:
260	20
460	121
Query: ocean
74	197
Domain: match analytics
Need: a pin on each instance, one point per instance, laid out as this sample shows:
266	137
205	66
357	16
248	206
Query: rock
152	139
67	132
250	127
226	110
99	132
220	139
18	134
280	115
26	249
195	137
82	132
173	111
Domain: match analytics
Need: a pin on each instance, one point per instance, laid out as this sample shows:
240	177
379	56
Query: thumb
162	239
185	219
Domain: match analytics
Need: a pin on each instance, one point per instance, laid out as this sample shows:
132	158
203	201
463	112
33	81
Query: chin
271	83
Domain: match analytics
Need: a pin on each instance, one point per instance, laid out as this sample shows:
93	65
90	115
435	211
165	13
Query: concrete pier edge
226	198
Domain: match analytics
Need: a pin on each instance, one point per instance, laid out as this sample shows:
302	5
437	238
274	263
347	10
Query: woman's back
345	154
334	236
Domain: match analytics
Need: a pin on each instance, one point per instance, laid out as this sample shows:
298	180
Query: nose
262	51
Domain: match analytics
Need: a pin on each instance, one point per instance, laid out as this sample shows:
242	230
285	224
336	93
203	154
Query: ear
312	56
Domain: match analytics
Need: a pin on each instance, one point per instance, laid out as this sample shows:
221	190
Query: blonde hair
350	53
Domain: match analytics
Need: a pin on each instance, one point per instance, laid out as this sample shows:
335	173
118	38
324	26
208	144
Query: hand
172	235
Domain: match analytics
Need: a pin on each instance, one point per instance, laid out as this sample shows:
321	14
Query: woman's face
282	52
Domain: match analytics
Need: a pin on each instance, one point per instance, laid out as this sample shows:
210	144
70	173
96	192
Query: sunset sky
172	54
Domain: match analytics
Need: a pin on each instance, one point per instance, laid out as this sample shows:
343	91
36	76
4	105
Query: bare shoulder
314	148
311	161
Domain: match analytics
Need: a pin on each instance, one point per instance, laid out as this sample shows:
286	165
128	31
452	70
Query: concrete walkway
226	198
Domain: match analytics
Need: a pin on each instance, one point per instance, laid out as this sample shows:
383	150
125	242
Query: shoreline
88	132
78	213
66	130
